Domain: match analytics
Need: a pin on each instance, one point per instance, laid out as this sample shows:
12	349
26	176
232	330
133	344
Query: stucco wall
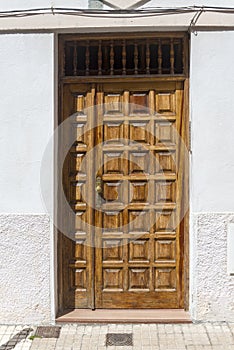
26	105
212	170
25	269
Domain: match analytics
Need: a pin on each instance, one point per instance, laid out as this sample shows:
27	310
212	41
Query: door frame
62	80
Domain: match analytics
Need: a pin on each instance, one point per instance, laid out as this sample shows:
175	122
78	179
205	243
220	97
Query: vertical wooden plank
90	195
126	192
151	187
98	171
180	162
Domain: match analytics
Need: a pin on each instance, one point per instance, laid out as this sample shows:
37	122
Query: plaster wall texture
211	178
25	269
26	105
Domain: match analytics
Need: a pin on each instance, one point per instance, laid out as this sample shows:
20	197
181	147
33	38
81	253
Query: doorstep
125	316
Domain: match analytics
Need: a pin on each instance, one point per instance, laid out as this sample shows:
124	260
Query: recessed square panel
138	279
113	191
165	191
138	192
80	104
78	279
165	250
80	220
113	279
139	131
78	163
112	220
113	104
139	103
78	133
165	221
139	162
139	221
113	132
139	250
80	250
165	103
77	191
165	133
112	250
165	162
165	279
113	163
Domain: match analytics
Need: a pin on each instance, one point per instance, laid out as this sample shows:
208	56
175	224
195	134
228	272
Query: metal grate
47	332
124	56
119	339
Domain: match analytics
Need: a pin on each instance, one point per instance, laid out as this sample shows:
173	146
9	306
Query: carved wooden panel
139	215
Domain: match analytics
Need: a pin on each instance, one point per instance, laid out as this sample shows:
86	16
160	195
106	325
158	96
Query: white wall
212	108
26	105
212	173
26	119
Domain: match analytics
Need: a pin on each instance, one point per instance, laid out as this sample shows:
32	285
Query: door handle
98	185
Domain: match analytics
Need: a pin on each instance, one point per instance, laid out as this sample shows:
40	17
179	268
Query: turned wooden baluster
159	57
112	58
75	62
172	57
183	56
124	55
64	61
100	58
135	58
147	57
87	58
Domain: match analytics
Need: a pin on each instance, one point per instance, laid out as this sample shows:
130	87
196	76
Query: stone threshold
124	316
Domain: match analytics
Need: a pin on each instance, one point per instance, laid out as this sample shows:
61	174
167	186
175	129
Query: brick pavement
204	336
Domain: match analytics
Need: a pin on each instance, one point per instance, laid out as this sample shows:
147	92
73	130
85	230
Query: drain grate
47	332
119	339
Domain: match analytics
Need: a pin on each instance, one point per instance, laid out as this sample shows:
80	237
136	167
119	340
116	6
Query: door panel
138	259
131	253
77	267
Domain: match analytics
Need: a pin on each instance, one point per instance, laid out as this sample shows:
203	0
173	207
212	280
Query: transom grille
107	56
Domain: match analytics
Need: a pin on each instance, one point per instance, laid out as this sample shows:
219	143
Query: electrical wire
114	13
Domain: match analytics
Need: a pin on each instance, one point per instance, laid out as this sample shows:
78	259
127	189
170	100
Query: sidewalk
206	336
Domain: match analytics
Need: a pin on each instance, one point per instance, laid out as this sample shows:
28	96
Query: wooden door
130	255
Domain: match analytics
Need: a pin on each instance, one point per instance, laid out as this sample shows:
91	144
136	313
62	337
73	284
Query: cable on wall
128	13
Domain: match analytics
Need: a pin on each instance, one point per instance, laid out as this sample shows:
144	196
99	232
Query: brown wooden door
124	179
